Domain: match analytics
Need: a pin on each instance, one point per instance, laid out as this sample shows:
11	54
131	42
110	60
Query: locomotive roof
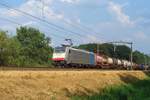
80	50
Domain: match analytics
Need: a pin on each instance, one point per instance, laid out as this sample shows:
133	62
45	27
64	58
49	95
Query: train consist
71	57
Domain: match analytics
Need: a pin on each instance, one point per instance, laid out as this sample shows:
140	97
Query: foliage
106	49
123	52
138	90
35	46
3	47
29	47
141	58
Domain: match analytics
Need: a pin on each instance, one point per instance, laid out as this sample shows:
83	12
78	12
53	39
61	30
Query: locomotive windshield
60	49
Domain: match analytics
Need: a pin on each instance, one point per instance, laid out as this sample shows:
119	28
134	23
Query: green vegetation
121	52
29	47
139	90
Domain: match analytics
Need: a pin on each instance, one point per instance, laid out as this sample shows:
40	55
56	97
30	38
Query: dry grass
51	85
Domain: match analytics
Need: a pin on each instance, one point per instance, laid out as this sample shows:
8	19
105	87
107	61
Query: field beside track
62	84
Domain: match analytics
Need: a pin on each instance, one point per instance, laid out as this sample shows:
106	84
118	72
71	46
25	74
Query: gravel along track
53	69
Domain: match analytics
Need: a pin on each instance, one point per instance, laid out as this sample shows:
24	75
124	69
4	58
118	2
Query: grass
61	84
139	90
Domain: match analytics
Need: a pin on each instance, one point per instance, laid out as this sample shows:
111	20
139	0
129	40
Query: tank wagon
71	57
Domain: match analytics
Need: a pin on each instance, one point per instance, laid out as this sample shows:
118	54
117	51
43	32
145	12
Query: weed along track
60	84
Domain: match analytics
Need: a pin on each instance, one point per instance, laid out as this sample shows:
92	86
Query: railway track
41	69
44	69
54	69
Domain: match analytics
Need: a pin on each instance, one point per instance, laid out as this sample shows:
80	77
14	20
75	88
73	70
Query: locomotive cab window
60	49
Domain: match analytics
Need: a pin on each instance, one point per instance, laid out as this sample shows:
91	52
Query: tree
14	49
3	47
89	47
123	52
9	50
138	57
35	47
106	49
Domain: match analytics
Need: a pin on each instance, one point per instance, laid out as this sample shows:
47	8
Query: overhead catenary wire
14	22
48	31
49	27
66	22
40	19
82	28
11	21
57	28
72	24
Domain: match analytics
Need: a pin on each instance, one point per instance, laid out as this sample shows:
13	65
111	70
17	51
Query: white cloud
9	12
121	16
68	21
70	1
73	21
78	21
29	23
34	7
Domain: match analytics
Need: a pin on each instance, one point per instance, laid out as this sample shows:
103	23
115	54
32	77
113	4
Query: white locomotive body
71	56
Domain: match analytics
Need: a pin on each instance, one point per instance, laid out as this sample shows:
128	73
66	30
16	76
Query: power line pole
97	48
131	55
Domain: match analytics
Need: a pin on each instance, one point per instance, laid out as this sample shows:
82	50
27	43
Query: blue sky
107	20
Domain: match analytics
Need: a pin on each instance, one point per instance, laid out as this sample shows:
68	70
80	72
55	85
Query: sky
84	21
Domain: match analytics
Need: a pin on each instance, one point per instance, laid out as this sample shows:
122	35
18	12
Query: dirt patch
59	85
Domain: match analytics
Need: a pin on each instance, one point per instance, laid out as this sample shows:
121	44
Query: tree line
121	52
29	47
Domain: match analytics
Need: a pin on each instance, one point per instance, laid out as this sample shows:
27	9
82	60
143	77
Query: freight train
71	57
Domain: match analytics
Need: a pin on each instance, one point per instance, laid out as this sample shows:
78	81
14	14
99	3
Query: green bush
139	90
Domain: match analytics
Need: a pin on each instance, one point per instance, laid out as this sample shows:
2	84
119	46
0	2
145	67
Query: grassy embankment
63	84
137	90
